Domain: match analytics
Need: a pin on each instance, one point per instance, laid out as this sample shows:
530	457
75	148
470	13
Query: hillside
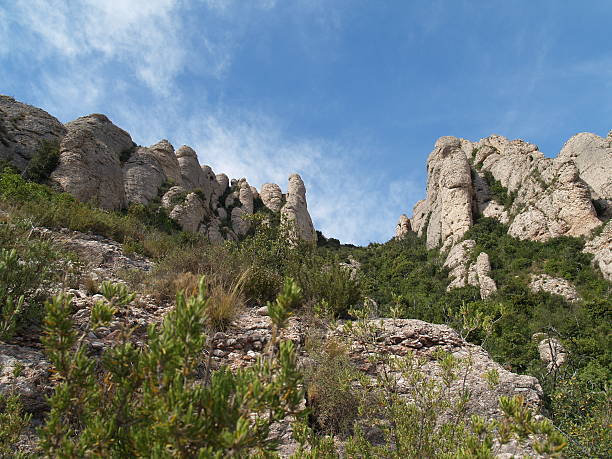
151	307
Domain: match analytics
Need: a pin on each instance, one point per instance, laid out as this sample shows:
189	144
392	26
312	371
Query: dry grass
225	301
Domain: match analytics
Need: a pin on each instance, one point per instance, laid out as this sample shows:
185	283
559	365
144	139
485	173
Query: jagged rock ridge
510	180
100	163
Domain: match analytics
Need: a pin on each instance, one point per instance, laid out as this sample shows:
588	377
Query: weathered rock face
545	198
403	227
99	163
593	158
23	129
554	285
463	272
478	275
190	213
164	153
272	196
601	248
143	176
449	194
89	165
191	172
295	211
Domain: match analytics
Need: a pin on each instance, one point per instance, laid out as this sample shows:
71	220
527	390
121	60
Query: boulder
272	196
90	161
554	285
143	175
190	213
403	227
551	351
245	196
239	224
24	129
463	272
295	211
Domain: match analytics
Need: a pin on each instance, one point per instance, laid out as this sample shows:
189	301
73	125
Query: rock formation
601	249
464	272
90	161
295	211
99	163
554	285
593	158
510	180
23	129
403	227
551	351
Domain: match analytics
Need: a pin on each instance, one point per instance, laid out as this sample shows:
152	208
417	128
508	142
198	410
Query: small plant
13	421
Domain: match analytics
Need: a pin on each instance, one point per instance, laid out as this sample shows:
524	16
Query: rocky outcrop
99	163
295	211
189	212
449	194
463	272
164	153
478	276
510	180
593	158
551	351
271	196
143	176
403	227
601	249
554	285
89	164
24	129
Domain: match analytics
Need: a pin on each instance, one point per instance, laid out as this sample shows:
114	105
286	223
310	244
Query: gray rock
143	176
601	249
403	227
555	285
189	214
272	196
295	211
164	152
23	129
89	166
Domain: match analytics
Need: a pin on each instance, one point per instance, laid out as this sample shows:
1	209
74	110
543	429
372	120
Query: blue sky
351	94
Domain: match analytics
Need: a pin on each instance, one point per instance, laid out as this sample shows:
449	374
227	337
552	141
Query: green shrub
154	404
43	162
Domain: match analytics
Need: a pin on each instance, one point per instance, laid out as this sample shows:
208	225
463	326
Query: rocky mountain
98	162
539	198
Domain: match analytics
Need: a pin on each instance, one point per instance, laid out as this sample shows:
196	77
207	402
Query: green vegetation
43	162
151	404
499	192
152	400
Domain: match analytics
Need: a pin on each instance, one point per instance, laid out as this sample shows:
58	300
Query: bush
43	162
154	403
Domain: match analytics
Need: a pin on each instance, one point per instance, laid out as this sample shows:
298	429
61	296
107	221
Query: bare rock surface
464	272
555	285
23	129
189	213
593	158
272	196
601	249
164	152
449	194
403	227
143	176
89	165
191	173
295	211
